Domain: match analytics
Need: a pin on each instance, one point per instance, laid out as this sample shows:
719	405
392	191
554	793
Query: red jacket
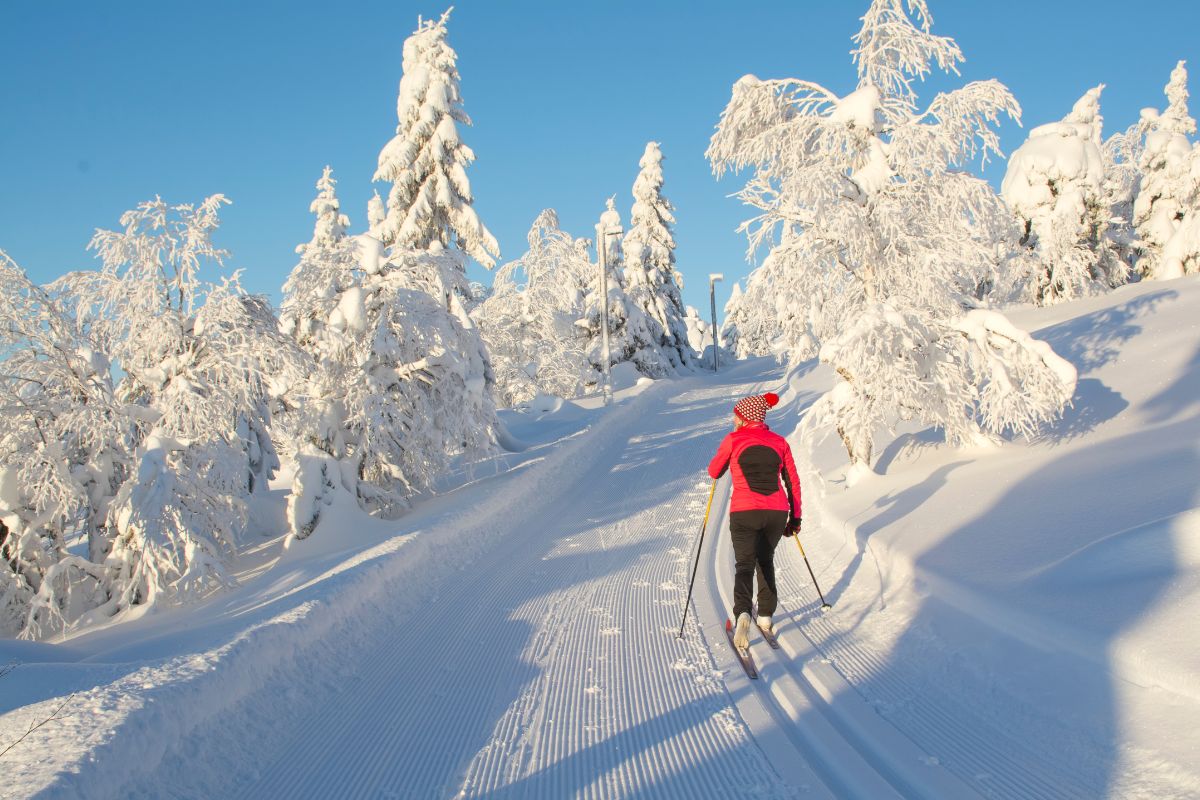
759	460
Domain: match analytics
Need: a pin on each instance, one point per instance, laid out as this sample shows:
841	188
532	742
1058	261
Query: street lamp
609	225
712	300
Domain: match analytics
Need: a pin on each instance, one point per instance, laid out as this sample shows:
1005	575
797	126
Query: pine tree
649	250
1167	210
430	201
401	381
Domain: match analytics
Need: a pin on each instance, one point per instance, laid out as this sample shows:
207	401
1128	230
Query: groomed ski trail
548	666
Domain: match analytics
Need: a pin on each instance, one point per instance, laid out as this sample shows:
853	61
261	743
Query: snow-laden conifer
403	381
1056	185
325	269
1167	211
873	225
529	320
633	335
407	387
649	250
430	200
399	381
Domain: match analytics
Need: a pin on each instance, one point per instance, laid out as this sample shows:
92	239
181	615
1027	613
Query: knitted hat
754	408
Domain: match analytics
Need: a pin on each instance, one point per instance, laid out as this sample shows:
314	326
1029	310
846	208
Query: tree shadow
1093	404
1024	608
612	763
1092	340
1181	396
892	507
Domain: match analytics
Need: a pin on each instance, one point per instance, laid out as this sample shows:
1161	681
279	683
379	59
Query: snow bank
1047	583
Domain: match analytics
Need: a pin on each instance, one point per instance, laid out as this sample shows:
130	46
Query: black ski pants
755	536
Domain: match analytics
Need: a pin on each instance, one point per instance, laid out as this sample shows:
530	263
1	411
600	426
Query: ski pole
696	566
824	604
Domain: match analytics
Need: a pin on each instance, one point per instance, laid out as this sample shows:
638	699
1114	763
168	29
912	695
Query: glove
793	527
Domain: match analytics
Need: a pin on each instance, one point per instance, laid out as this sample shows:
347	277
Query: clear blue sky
107	104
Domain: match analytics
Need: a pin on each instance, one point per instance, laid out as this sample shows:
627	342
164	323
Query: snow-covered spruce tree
404	387
200	362
376	215
649	250
875	223
326	267
733	316
430	201
1055	184
404	376
529	320
1167	211
66	446
633	335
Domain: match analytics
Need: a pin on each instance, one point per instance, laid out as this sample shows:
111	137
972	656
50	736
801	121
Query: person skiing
765	506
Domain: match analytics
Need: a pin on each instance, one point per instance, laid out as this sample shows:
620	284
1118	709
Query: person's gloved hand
793	527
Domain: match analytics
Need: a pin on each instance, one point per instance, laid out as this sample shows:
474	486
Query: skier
765	506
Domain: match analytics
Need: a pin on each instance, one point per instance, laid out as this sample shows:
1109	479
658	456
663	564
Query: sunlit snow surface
1015	621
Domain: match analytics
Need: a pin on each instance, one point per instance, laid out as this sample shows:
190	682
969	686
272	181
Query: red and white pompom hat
754	408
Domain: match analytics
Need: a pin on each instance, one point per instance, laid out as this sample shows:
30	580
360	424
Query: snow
1012	621
859	108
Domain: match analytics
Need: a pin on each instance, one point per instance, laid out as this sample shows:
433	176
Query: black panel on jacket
760	465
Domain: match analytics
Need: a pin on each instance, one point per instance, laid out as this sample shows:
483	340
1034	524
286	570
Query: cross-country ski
742	651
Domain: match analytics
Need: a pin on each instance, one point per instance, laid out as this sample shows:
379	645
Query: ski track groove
964	743
587	693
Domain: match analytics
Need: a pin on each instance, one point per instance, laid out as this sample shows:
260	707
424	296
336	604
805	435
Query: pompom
771	398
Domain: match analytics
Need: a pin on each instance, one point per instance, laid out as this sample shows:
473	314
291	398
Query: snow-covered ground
1011	622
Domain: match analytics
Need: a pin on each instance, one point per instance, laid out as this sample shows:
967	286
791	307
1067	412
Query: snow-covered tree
326	267
633	335
872	225
399	384
203	361
649	250
1167	211
153	467
1121	156
430	200
404	388
376	215
403	381
699	329
1055	184
66	446
529	320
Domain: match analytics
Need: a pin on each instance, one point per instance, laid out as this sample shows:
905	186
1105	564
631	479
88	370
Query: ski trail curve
547	666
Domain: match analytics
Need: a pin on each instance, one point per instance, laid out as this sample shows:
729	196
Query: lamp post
609	225
712	300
